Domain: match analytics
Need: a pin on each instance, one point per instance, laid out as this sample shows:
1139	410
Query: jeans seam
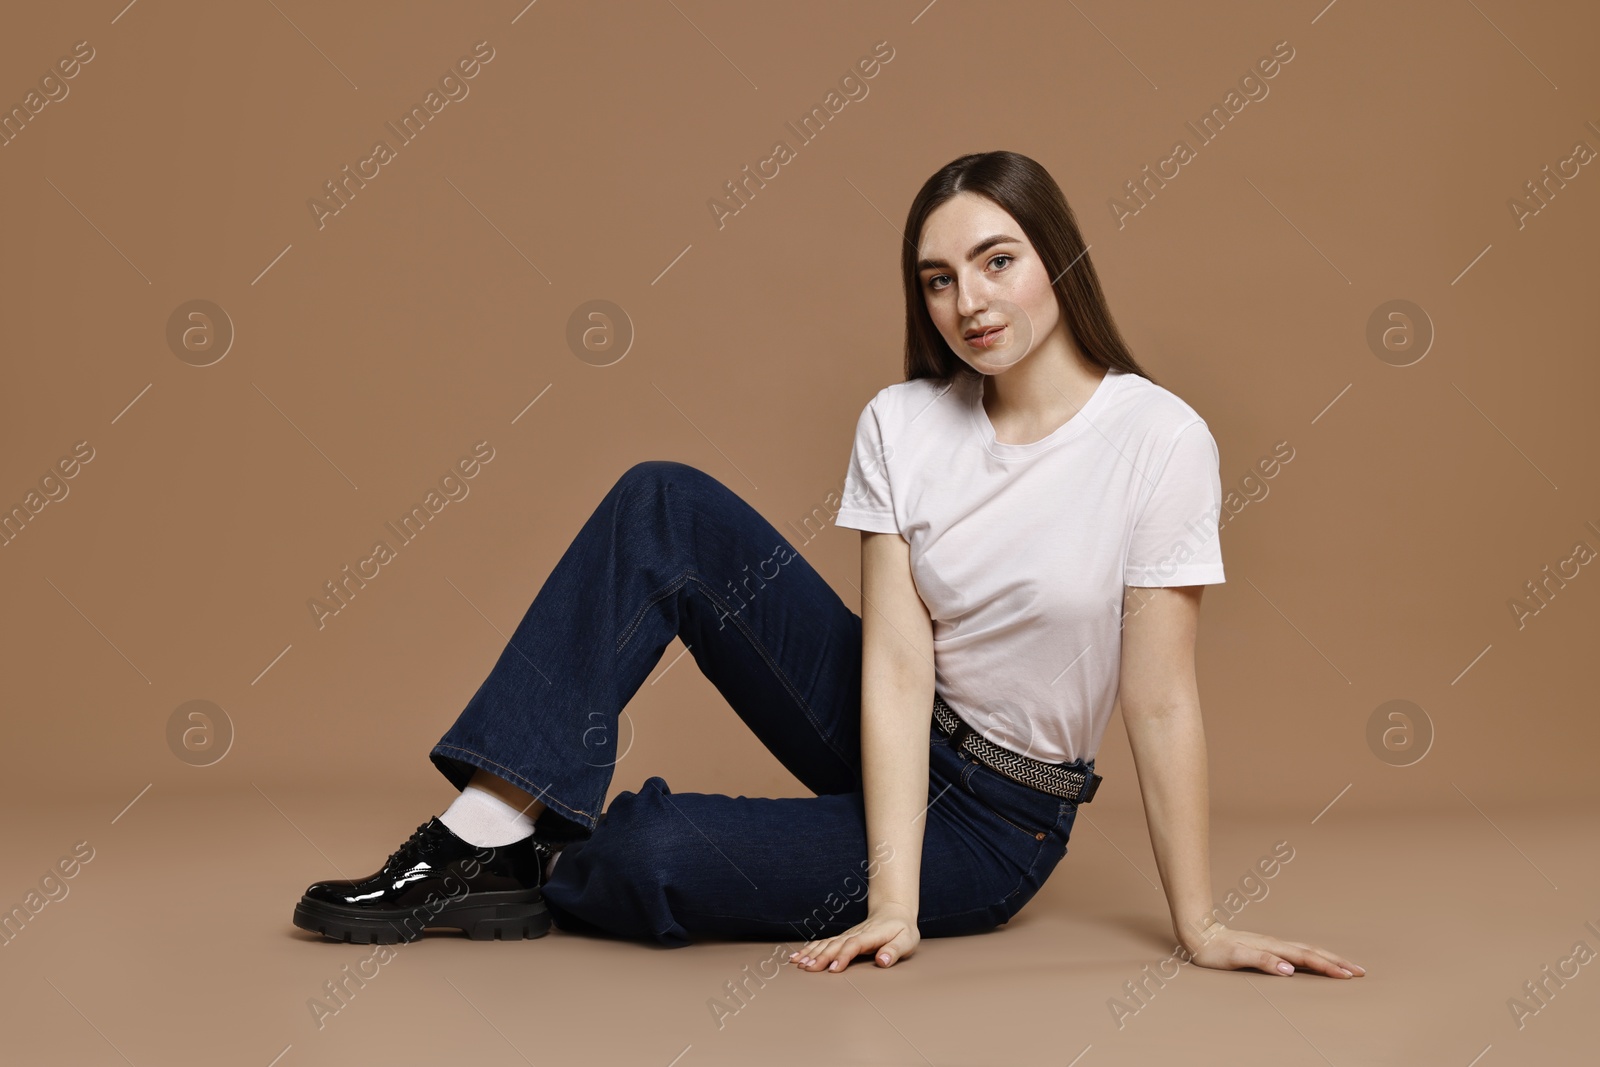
921	917
1032	866
650	601
950	916
772	665
966	784
539	793
702	913
749	634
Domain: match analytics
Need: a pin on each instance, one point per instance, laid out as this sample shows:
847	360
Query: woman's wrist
1198	934
885	907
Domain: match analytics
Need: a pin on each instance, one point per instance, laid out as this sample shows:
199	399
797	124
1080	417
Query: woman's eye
932	282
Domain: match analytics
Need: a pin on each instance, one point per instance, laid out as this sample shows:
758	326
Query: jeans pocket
1030	810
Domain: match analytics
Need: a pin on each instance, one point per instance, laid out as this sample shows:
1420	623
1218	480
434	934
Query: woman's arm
896	711
1161	708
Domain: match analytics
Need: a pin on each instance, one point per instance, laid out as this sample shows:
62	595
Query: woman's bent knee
656	472
617	879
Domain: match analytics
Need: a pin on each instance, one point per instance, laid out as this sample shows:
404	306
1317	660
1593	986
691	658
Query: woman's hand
1227	949
889	932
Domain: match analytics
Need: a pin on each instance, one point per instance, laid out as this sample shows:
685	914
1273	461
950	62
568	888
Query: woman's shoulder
905	400
916	387
1153	407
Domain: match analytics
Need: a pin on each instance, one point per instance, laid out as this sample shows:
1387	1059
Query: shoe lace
420	839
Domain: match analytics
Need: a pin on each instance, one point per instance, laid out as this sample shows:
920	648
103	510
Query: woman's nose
971	300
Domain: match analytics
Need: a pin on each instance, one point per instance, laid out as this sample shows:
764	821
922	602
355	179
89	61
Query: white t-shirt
1021	551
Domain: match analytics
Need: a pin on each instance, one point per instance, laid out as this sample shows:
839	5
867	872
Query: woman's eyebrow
977	250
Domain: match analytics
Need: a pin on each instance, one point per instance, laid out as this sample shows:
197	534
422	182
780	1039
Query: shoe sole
505	916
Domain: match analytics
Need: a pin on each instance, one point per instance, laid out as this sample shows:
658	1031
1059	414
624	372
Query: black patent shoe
436	879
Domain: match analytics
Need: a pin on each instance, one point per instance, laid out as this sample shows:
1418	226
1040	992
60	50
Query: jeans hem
441	753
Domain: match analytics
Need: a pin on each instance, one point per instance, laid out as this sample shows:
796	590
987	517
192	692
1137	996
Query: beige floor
173	946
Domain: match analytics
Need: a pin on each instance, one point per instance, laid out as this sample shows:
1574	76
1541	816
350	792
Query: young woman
1038	520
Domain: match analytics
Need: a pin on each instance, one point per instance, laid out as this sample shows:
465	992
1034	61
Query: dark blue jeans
671	552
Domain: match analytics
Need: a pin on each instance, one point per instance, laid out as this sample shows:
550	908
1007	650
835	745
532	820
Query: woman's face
986	289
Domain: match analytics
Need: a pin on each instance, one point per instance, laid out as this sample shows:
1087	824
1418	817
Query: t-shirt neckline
1065	432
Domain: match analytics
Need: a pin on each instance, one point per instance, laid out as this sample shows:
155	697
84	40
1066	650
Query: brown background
372	353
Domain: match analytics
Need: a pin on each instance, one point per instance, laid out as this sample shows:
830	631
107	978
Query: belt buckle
958	739
1086	794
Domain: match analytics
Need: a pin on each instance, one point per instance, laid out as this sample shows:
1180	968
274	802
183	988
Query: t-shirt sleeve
1176	538
867	503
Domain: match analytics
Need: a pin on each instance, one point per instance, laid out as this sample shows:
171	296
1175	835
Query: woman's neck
1032	399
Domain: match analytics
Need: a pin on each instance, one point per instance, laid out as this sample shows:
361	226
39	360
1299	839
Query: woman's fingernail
883	958
1285	967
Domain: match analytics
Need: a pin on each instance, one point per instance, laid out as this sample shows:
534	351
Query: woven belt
1057	779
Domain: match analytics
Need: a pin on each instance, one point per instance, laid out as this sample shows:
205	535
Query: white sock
480	818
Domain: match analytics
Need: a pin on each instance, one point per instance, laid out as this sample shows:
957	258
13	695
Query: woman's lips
988	338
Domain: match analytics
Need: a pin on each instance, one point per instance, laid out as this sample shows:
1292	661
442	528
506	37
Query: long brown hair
1027	191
